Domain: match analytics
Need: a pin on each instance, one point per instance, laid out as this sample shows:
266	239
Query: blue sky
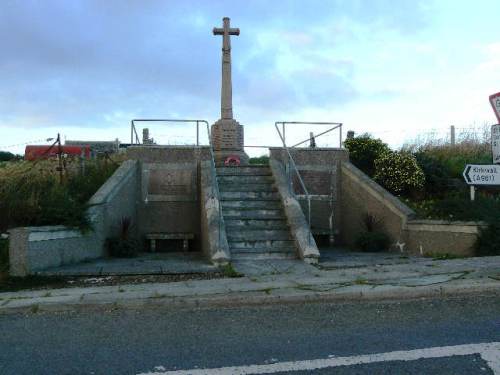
392	68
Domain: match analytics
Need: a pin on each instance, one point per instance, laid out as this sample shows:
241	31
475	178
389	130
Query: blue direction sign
478	174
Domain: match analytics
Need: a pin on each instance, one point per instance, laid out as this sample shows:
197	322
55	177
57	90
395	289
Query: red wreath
232	160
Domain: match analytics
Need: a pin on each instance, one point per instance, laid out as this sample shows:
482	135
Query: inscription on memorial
167	182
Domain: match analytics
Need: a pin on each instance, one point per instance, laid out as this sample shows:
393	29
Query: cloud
90	63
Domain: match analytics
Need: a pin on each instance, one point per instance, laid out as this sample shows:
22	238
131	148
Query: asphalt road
159	340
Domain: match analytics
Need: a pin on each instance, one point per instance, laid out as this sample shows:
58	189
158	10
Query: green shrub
264	159
31	193
399	173
123	246
373	242
4	255
364	150
488	242
372	239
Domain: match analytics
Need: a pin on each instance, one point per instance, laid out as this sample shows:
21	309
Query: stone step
260	244
245	179
247	187
258	235
245	205
248	195
262	256
252	214
246	170
242	224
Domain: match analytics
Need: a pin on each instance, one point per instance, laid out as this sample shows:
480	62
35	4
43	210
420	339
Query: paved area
438	336
282	281
144	264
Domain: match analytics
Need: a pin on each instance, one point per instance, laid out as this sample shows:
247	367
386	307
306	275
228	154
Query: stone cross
226	89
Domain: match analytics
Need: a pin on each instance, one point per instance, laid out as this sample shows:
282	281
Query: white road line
489	352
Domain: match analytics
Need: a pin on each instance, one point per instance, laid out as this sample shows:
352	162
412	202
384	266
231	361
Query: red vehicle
43	152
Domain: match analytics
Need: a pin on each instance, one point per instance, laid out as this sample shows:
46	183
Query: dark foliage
364	150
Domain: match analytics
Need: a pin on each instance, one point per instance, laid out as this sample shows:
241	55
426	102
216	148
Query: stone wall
304	241
32	249
169	189
213	233
362	196
319	168
437	237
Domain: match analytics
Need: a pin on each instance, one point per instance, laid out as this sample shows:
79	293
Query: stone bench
185	237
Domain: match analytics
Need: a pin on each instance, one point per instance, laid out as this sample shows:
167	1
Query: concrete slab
145	264
335	257
267	267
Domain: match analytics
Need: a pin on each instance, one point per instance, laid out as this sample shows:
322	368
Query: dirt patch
12	284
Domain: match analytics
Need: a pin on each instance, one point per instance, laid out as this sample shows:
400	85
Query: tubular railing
133	130
291	161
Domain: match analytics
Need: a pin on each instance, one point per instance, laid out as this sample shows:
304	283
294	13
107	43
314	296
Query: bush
373	241
31	193
488	242
399	173
264	159
7	156
123	246
4	255
364	150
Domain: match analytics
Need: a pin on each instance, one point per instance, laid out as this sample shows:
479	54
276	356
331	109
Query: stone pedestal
227	140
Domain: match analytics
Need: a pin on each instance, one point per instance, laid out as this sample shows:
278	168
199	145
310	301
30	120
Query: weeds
229	271
31	193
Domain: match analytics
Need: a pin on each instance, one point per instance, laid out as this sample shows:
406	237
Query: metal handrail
337	125
291	161
133	130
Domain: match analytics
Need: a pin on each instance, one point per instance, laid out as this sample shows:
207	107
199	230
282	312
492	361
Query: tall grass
473	146
31	193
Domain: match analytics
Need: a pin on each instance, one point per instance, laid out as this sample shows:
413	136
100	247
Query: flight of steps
255	222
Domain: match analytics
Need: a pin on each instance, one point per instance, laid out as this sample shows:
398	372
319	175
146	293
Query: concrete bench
185	237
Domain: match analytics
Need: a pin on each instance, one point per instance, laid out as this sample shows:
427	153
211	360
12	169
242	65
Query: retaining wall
319	168
360	195
32	249
169	189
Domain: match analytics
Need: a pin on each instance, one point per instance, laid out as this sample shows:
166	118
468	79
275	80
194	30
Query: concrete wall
304	241
434	237
169	189
361	195
35	248
319	168
213	233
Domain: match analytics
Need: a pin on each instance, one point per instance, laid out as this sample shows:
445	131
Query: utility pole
452	135
59	158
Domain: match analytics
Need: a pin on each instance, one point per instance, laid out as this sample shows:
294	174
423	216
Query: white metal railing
291	161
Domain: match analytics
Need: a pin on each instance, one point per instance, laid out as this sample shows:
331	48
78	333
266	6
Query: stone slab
145	264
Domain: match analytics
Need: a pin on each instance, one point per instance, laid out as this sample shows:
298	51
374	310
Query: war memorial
210	200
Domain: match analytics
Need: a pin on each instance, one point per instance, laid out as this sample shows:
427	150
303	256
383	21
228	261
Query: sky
395	69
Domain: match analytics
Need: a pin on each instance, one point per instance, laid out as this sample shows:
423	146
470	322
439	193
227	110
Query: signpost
495	143
495	104
481	174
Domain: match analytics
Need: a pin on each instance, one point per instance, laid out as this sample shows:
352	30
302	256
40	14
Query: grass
444	256
229	271
32	195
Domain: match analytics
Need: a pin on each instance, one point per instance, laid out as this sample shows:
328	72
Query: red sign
495	104
45	152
